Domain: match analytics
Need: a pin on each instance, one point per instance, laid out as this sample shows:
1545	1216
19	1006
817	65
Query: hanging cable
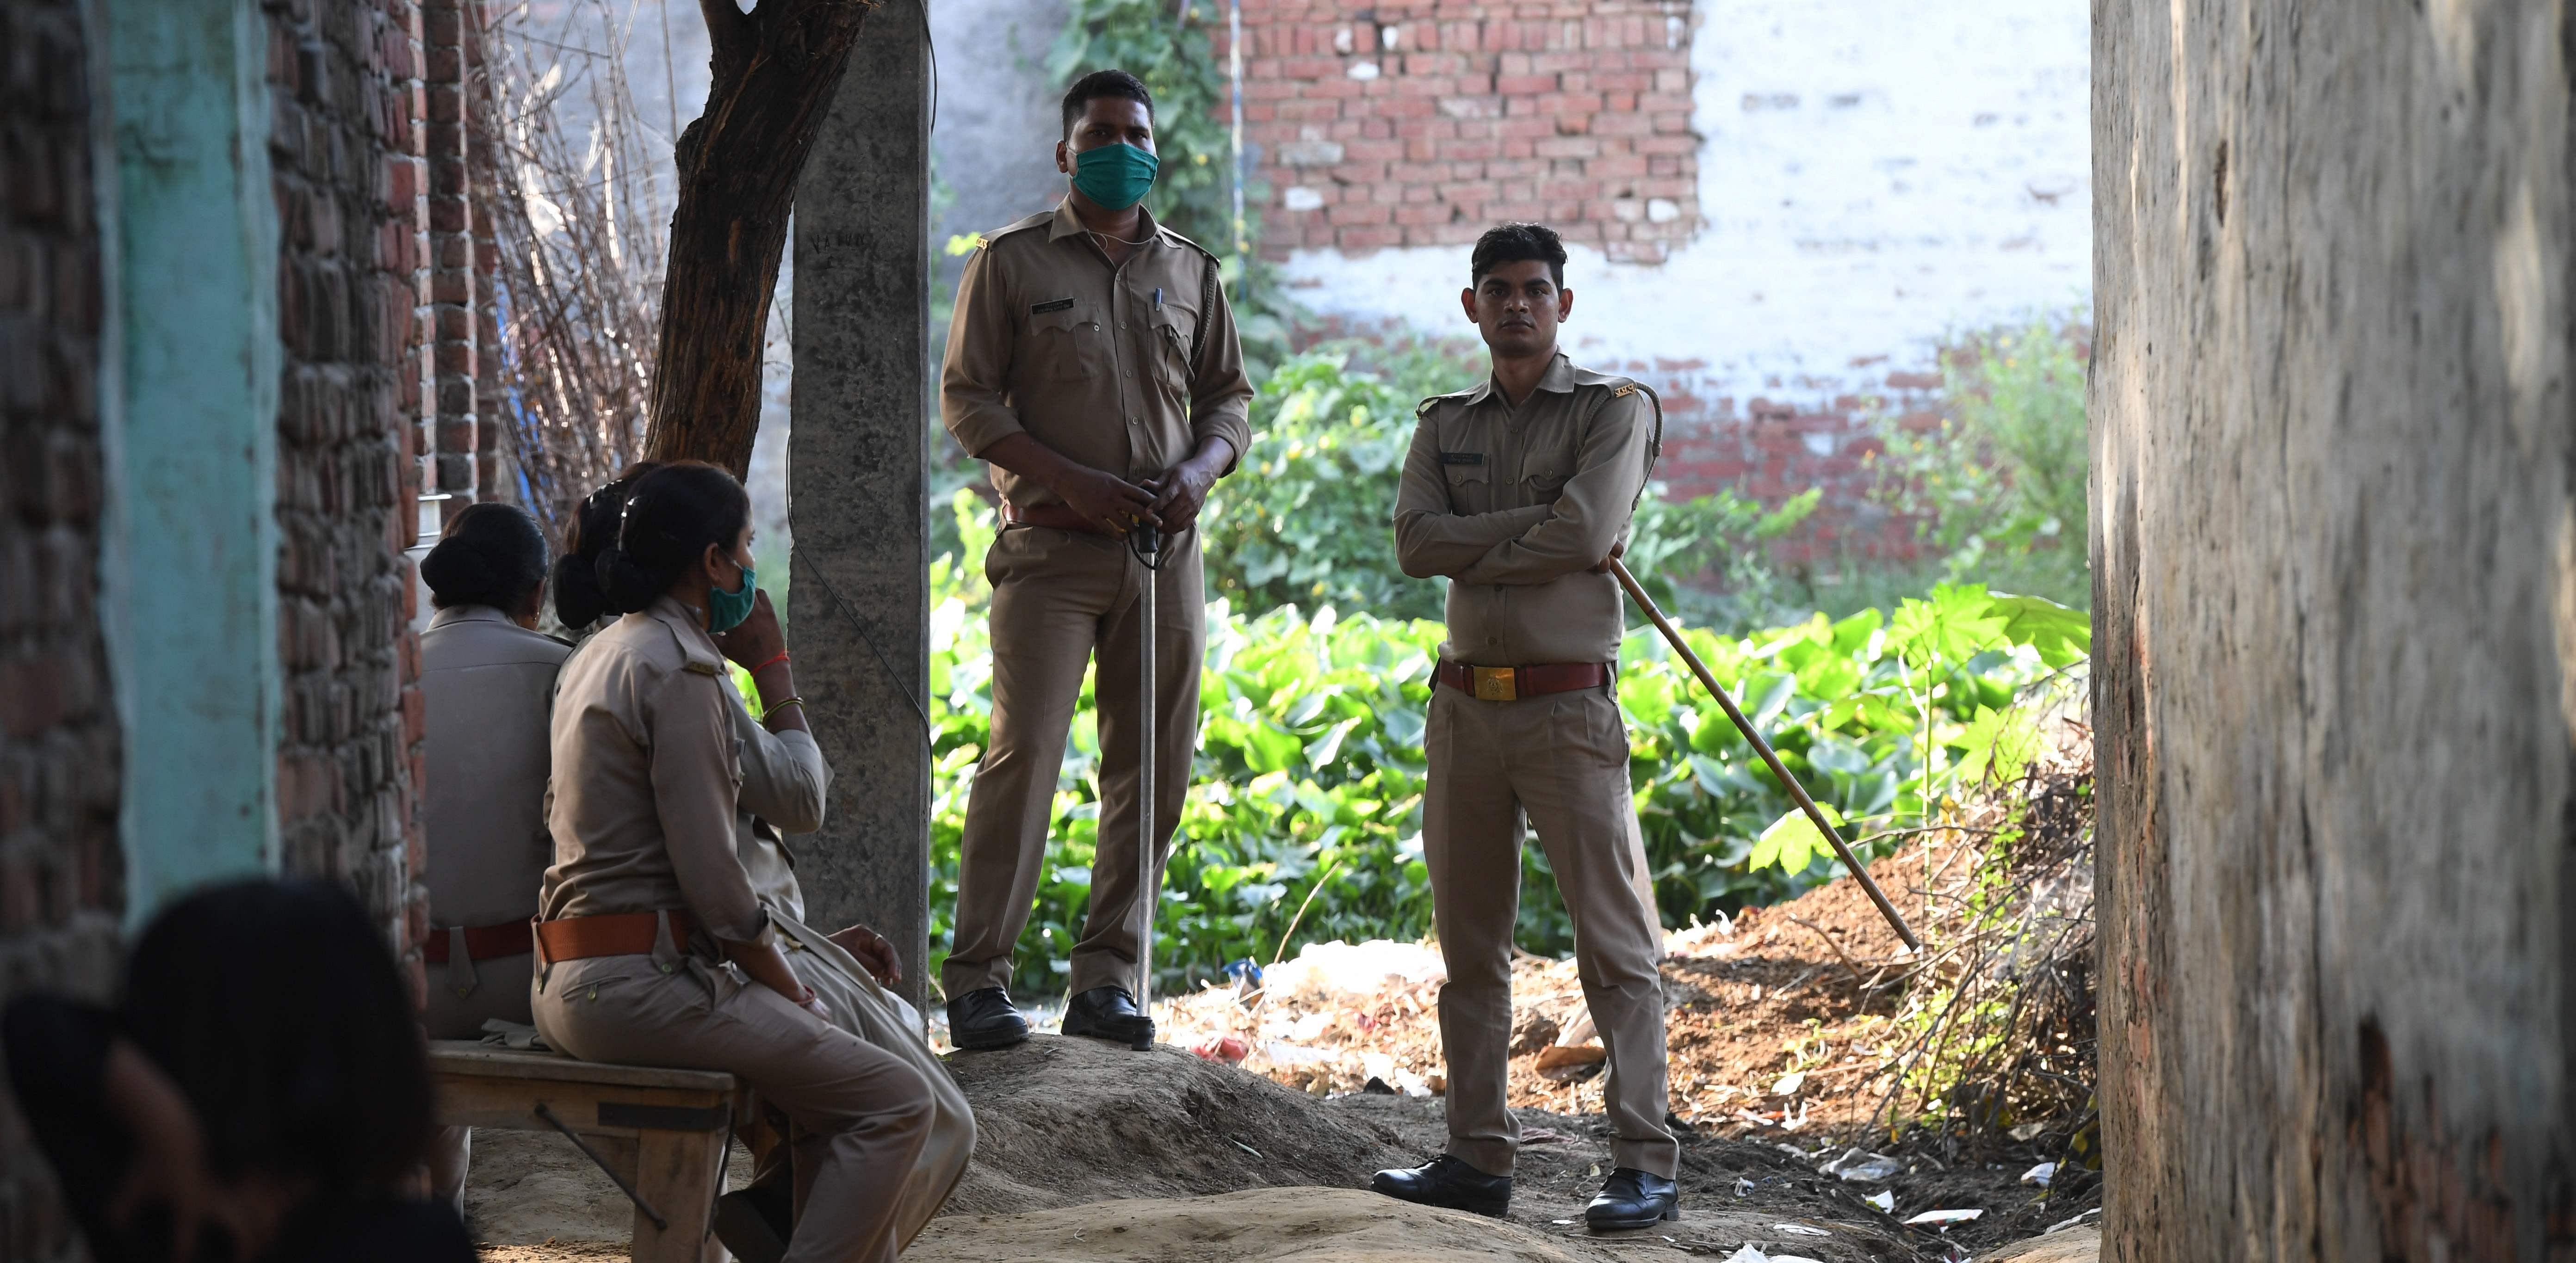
892	676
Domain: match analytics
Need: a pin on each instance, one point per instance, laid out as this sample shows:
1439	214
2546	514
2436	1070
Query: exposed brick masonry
61	873
1422	122
343	135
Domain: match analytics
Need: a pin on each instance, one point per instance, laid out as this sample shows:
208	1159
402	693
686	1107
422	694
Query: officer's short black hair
1511	243
1101	83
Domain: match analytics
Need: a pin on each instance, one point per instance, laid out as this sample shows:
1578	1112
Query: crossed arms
1537	543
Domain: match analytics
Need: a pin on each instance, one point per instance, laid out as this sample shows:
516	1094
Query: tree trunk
776	69
2334	649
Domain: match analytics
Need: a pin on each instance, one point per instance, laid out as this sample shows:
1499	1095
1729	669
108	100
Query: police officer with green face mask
1093	362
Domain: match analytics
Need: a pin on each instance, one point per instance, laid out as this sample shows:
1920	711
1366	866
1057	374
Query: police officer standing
1092	361
1519	490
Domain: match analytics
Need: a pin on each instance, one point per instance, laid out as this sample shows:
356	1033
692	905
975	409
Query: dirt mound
1306	1225
1062	1121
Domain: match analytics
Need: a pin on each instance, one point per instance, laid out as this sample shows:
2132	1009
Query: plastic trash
1743	1187
1863	1167
1749	1254
2040	1175
1944	1218
1230	1049
1884	1200
1788	1084
1800	1230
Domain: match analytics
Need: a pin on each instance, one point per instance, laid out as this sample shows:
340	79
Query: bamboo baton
1762	747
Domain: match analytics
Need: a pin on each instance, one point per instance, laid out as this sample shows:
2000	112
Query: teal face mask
1115	176
726	610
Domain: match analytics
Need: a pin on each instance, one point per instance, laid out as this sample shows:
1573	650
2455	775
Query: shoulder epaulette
1019	225
700	666
1167	231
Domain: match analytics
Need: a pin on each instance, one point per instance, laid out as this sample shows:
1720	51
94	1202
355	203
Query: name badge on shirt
1061	304
1462	458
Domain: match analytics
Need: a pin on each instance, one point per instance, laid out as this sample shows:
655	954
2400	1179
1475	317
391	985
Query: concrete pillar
857	465
191	566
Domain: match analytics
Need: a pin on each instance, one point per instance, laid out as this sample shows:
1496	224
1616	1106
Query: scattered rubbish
1437	1084
1247	980
1791	1258
1743	1187
2077	1222
1577	1049
1543	1136
1749	1254
1800	1230
1283	1053
1788	1084
2040	1175
1884	1200
1860	1166
1378	1087
1567	1222
1944	1218
1229	1049
1244	1147
2027	1132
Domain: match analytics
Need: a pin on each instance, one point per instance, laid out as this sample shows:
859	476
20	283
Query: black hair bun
578	600
625	585
490	554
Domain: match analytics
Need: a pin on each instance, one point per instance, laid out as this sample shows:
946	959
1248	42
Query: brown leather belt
482	942
1060	517
616	934
1505	684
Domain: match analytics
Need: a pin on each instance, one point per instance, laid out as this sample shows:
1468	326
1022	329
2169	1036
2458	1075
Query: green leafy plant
1310	769
1997	489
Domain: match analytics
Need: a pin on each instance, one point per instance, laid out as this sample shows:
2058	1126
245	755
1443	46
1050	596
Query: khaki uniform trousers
861	1113
463	994
858	1005
1560	761
1058	596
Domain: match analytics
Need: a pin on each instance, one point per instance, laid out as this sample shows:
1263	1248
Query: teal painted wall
194	557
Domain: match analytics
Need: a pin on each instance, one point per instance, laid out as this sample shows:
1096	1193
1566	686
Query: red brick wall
62	886
343	147
1422	122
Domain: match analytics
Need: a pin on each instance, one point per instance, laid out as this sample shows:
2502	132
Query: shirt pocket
1544	472
1064	344
1173	332
1470	482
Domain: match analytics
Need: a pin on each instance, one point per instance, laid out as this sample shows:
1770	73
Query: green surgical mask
1115	176
726	610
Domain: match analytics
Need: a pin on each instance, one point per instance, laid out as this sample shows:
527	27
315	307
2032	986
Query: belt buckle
1496	684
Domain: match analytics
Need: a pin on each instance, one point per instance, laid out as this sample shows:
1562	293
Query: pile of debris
1806	1025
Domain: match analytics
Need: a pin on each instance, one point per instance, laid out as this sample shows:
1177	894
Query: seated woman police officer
652	947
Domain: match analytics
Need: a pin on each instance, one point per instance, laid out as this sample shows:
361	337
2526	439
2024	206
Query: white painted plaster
1872	174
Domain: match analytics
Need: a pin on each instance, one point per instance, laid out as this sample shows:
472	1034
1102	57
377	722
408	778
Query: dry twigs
566	184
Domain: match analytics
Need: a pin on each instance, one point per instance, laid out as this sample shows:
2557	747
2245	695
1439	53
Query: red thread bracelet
782	657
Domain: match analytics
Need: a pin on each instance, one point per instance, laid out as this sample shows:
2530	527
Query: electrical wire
892	676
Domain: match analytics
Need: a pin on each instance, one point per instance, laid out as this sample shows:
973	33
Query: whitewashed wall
1873	174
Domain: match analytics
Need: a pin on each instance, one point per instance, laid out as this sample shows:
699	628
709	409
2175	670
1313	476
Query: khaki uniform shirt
1093	361
1516	505
784	784
485	682
647	774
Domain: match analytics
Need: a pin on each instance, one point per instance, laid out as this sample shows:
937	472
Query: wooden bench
660	1133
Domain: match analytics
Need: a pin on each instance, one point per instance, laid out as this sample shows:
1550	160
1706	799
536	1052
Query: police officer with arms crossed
1519	490
1093	362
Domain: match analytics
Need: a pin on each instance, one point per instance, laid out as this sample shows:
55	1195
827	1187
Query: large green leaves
1311	763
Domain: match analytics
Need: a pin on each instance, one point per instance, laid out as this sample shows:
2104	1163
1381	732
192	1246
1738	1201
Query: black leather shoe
1109	1013
1633	1199
755	1222
1445	1181
984	1019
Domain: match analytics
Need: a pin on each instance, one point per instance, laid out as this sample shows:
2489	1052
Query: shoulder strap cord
1207	310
